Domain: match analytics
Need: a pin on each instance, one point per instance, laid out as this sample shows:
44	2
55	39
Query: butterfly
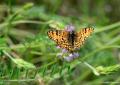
69	40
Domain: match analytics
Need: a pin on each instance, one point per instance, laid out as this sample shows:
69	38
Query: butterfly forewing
60	37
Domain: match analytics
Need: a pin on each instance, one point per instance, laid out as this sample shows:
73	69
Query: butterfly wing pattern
81	37
60	37
69	41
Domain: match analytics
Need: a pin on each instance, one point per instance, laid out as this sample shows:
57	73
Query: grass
28	56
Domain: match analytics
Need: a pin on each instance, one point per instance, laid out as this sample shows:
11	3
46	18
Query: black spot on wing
57	32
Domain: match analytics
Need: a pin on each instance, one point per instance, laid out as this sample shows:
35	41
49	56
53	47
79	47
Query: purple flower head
58	47
71	56
76	55
70	28
64	51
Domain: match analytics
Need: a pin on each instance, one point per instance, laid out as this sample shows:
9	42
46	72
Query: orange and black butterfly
70	40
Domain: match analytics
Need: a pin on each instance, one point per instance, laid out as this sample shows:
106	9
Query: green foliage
108	70
28	56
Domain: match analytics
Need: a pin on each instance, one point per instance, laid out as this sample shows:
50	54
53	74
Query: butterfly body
69	40
71	37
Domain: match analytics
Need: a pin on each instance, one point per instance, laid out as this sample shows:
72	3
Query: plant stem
112	26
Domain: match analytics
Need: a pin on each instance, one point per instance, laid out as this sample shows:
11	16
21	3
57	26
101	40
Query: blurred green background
28	56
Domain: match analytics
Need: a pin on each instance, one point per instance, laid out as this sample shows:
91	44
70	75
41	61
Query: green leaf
108	70
21	63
